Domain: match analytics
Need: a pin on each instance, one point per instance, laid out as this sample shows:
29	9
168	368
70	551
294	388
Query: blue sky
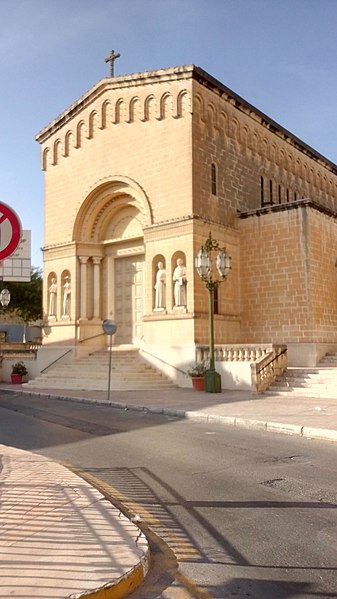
280	55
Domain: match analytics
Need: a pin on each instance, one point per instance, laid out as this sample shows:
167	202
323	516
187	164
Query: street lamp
5	297
207	271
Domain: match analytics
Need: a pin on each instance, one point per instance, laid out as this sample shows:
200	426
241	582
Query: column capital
97	259
83	259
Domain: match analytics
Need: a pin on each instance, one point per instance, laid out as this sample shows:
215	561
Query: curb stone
246	423
319	433
122	587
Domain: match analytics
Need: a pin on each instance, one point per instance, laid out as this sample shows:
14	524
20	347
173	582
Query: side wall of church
322	256
275	277
288	279
242	163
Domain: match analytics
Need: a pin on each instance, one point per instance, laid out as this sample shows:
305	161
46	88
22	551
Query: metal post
109	378
212	378
109	328
211	327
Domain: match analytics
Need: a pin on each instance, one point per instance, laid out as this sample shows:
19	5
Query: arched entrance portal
109	232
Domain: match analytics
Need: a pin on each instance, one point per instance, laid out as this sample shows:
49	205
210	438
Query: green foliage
19	368
26	298
198	370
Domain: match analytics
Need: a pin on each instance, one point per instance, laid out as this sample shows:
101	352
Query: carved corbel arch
199	107
57	151
149	108
264	149
235	130
255	142
134	109
68	142
183	103
105	113
80	131
45	159
120	111
245	137
93	117
212	119
166	105
223	125
274	159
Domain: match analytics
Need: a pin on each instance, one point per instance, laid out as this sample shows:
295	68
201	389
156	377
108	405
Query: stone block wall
288	277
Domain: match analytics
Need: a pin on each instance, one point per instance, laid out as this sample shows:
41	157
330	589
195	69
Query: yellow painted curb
123	586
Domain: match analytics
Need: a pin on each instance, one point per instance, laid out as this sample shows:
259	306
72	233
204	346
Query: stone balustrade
249	352
267	361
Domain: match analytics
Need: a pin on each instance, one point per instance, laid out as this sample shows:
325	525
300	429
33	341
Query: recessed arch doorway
111	222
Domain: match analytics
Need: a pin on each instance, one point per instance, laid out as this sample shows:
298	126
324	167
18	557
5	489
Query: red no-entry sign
10	231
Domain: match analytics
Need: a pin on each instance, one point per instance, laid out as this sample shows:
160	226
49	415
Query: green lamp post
207	268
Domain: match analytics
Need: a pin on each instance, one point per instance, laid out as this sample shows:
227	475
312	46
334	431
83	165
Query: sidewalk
61	539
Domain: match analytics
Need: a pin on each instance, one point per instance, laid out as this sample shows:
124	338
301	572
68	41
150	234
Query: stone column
83	288
97	290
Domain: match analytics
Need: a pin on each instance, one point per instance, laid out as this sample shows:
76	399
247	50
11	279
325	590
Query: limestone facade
138	171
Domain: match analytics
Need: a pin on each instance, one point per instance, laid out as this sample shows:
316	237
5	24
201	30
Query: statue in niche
66	296
52	297
160	287
180	282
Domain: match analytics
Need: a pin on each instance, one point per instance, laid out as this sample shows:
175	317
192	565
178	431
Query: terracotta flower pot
198	383
16	379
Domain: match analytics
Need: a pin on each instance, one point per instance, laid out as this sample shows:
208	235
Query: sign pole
109	328
109	379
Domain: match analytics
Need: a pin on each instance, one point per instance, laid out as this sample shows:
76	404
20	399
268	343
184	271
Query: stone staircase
128	372
319	381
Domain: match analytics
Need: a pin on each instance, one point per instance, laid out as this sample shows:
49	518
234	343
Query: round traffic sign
109	327
10	231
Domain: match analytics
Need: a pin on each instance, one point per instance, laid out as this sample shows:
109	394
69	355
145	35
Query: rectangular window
213	179
262	191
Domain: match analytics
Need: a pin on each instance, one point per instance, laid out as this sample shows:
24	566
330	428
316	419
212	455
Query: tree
26	298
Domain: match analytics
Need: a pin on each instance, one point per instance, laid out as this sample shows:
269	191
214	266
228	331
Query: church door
129	276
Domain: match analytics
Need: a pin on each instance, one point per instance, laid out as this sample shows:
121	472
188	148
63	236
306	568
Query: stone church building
138	172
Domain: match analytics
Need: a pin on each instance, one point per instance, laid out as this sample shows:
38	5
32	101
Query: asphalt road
229	512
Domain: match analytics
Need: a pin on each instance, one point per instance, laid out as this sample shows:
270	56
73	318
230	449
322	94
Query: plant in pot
18	371
197	374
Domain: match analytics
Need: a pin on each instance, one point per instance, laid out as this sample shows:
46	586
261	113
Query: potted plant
197	374
18	371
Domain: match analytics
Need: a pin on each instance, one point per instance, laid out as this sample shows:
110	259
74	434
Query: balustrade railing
267	361
268	368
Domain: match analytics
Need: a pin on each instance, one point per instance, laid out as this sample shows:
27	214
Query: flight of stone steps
319	381
128	372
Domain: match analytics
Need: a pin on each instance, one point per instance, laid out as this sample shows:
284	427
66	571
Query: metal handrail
57	360
164	361
92	337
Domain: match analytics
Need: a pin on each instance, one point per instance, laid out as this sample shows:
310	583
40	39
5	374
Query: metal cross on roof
111	58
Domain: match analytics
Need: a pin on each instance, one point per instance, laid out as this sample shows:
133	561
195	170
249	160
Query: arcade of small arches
272	192
113	113
281	155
